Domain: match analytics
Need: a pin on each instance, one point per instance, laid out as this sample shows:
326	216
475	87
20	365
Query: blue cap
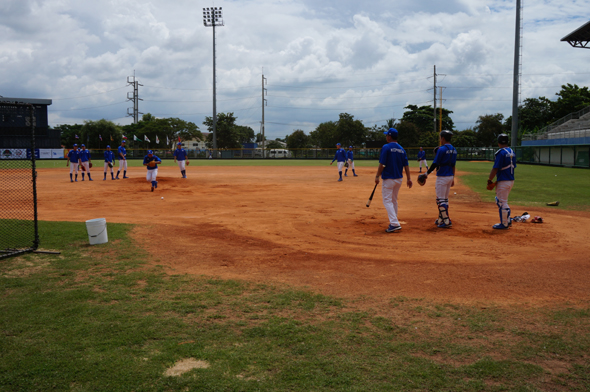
179	144
150	152
338	144
122	141
108	146
391	132
82	145
75	145
349	146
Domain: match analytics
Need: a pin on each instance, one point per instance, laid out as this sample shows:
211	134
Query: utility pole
434	100
264	101
131	80
516	80
212	16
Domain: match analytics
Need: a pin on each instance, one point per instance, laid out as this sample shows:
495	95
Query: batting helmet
446	134
502	138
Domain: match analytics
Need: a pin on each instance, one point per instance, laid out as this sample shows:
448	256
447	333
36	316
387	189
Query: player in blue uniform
180	157
422	159
393	160
444	163
109	157
503	169
122	156
340	157
85	161
73	162
350	159
152	169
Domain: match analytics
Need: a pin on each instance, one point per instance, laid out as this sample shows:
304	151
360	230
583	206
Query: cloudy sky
320	57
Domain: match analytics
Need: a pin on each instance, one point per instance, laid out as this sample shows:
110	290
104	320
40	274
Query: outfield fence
18	186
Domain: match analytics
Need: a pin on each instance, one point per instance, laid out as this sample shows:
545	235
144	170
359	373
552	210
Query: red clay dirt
298	225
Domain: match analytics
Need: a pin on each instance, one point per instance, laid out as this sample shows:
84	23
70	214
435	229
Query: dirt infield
299	226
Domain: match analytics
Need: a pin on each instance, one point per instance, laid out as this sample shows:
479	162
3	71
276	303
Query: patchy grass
98	318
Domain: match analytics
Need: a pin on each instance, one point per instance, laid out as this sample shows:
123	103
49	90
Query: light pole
212	16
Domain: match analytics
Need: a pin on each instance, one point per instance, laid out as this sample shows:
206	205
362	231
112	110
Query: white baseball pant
73	167
425	163
122	164
340	166
503	189
87	166
106	166
151	175
443	187
389	191
351	164
181	165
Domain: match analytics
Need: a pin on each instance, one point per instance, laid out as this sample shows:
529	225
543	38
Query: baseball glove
110	165
537	219
82	167
152	164
187	163
422	179
491	185
90	165
346	164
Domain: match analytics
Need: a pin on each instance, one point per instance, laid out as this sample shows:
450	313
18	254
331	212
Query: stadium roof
32	101
579	38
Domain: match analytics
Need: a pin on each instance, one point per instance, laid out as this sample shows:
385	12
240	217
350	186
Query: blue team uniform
421	155
74	156
109	156
340	156
445	159
505	163
350	155
121	150
147	159
180	154
393	157
84	156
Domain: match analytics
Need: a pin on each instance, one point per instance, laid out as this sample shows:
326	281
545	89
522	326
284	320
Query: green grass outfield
96	318
534	186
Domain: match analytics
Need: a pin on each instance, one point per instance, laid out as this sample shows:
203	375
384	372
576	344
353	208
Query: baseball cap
150	152
338	144
122	141
349	146
75	145
391	132
108	146
82	145
179	144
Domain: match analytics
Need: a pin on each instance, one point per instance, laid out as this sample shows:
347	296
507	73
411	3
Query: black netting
18	200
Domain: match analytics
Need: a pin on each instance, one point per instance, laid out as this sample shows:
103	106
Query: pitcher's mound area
298	225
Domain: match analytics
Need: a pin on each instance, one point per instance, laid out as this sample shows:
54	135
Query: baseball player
85	161
152	161
444	163
350	159
122	155
109	157
503	168
340	157
73	162
391	161
180	157
422	159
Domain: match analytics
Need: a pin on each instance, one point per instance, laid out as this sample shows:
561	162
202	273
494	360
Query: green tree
423	118
227	137
533	114
571	99
171	128
297	140
68	133
408	134
245	134
106	129
349	131
325	135
465	138
488	128
429	139
273	144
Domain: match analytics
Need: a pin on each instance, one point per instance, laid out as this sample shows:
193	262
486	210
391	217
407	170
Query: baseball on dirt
162	197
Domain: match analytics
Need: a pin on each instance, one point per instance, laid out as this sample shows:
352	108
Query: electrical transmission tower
135	98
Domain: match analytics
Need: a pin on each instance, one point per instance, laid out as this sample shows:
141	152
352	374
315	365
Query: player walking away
85	161
422	159
122	155
444	163
109	157
73	162
392	160
350	159
504	170
181	156
152	161
340	157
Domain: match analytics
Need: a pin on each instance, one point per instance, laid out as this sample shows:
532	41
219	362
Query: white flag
146	138
157	140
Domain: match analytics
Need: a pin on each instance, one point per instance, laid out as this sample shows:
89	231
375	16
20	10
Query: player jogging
444	163
392	160
122	155
85	161
152	161
503	168
340	157
181	156
422	159
350	159
109	157
73	162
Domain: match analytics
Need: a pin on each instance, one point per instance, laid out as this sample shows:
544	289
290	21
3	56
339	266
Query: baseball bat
371	197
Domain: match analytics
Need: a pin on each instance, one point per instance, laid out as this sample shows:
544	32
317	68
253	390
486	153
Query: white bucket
97	231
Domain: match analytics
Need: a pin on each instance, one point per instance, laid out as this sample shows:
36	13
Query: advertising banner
13	153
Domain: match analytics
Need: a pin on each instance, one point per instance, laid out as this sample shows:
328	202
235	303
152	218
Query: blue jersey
109	156
340	156
123	151
74	156
180	154
350	155
393	157
505	163
421	155
446	158
147	159
84	155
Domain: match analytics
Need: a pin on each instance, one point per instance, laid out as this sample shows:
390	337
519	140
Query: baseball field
274	276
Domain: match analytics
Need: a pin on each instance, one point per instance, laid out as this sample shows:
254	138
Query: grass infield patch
97	318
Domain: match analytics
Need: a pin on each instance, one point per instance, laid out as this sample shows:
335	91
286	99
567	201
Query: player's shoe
392	229
340	179
90	179
500	226
125	177
444	225
152	188
356	175
345	175
71	180
156	184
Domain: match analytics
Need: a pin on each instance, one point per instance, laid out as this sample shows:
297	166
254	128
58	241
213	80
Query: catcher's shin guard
443	211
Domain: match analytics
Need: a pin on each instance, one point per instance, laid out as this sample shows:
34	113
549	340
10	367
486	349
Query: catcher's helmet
503	138
446	134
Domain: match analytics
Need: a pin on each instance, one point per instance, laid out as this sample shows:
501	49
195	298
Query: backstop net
18	187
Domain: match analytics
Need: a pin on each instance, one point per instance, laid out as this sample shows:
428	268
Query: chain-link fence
18	188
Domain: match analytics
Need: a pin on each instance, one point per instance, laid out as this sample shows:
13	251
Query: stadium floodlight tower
212	17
